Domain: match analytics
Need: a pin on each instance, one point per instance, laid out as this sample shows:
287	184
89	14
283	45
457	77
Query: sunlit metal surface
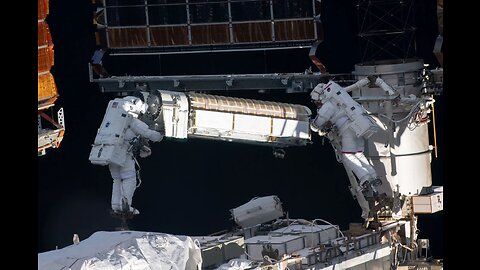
249	106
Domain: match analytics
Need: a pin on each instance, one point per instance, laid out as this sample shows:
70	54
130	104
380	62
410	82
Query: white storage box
217	250
257	211
314	234
283	244
427	204
366	240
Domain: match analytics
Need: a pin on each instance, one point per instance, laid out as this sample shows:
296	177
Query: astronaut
335	107
121	138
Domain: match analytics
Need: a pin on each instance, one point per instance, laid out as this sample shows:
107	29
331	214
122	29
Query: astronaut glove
145	151
156	137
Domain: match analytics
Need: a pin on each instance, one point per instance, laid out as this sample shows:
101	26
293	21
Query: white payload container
257	211
258	246
314	234
428	204
194	115
219	249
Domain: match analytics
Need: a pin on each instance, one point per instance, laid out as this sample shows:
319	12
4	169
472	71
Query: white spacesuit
117	142
335	106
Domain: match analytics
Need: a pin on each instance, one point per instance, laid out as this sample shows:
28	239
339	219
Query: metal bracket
176	83
61	117
296	87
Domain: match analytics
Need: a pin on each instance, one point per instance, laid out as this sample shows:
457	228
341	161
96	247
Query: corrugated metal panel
249	106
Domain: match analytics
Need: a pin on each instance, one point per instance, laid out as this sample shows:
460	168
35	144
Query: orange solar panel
45	59
44	37
46	88
42	9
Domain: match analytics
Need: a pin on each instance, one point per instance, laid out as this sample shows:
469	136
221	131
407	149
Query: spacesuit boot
397	212
376	182
127	208
365	214
374	192
128	187
364	184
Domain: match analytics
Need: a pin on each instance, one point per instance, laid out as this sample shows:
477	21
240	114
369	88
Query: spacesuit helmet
136	106
154	105
316	94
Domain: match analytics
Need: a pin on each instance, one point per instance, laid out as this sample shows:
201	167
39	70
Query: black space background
189	186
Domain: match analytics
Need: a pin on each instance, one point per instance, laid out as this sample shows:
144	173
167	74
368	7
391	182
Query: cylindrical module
233	119
400	151
406	163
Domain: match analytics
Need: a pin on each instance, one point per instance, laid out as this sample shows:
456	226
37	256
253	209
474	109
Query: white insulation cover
235	119
258	210
175	114
131	250
236	264
412	158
